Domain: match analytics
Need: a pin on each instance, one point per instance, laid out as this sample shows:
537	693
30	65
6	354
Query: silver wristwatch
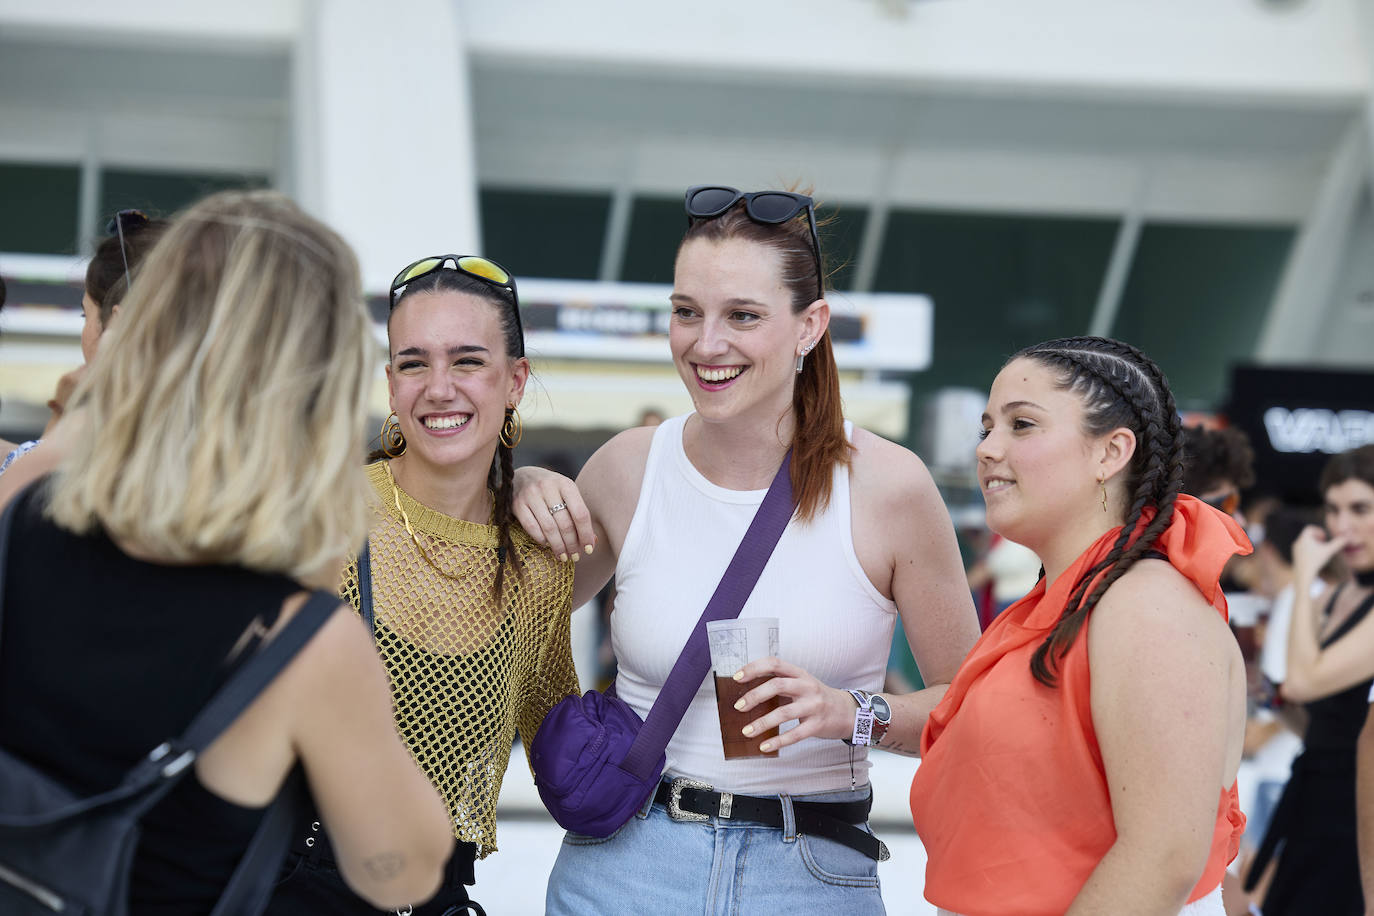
871	720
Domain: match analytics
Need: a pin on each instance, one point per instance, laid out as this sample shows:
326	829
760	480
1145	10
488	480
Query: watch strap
863	719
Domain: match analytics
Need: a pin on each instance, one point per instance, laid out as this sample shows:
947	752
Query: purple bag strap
734	589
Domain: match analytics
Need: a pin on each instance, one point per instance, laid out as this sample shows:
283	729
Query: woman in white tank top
664	511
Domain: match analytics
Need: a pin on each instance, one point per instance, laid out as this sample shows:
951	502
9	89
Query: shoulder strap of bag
256	673
734	589
6	523
365	588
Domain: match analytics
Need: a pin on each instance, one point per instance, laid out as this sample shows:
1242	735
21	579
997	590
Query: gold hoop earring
393	441
1103	483
513	430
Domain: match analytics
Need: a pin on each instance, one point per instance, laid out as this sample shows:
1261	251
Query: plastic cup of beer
735	643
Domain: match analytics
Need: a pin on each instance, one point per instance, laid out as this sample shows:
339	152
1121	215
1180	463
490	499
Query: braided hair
1119	387
501	475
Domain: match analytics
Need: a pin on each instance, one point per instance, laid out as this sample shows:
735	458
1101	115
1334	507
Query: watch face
881	711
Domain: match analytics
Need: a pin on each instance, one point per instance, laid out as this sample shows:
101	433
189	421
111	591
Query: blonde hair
221	421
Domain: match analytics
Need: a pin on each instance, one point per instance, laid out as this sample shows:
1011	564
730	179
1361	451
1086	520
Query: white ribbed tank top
832	621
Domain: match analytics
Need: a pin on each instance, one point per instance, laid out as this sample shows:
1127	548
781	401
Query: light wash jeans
715	868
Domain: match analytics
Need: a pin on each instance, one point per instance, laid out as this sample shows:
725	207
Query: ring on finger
559	507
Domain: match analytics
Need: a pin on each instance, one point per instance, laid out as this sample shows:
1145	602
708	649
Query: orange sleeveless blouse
1011	797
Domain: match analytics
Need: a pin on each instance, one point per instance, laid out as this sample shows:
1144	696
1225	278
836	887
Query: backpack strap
254	675
6	523
365	588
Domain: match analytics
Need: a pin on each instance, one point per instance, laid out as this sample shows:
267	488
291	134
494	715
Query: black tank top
103	657
1334	722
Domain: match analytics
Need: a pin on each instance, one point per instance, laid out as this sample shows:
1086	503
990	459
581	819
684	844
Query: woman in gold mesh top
470	615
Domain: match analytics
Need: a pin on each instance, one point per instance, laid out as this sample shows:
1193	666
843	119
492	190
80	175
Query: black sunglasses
479	268
707	201
122	220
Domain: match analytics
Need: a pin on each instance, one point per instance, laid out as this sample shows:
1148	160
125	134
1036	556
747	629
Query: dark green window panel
545	233
162	193
39	206
842	231
998	283
1196	299
657	225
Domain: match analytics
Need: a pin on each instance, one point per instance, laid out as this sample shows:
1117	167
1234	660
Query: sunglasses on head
479	268
1226	502
122	221
705	201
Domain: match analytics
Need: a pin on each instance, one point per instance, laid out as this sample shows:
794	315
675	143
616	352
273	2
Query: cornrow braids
1120	387
501	481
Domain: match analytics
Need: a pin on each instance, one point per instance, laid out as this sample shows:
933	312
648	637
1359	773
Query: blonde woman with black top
471	617
208	477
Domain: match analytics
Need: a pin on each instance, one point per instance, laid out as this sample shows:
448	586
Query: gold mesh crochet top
467	672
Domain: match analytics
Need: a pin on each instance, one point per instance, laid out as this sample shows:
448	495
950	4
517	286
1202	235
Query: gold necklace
405	520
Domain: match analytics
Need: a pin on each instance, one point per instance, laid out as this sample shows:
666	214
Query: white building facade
1191	176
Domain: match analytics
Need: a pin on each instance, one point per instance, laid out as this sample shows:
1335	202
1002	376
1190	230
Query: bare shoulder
623	455
334	653
1151	602
611	479
886	477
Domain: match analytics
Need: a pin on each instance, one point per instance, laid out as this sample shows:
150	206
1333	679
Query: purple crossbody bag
595	761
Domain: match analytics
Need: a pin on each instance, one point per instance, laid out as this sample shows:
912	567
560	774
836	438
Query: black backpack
60	853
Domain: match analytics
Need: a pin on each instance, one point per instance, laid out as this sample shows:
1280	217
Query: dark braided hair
500	478
1119	387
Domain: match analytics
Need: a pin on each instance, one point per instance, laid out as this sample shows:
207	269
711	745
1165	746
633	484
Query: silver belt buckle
675	799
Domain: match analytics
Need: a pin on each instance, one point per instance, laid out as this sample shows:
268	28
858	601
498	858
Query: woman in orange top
1085	755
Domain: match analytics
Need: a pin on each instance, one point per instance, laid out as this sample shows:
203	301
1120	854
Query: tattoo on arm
897	747
384	867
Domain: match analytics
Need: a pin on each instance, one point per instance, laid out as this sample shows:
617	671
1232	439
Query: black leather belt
689	800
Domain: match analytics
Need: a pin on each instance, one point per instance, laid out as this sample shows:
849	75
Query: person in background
173	536
1364	803
1273	732
108	276
469	615
6	447
1217	465
1084	758
1330	669
1011	571
131	235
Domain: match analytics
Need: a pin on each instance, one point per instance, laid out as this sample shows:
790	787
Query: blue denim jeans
717	867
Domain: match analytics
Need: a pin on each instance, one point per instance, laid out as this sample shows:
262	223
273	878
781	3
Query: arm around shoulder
389	828
609	483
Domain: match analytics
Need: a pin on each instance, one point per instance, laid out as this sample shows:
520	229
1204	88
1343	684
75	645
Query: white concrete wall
382	118
1232	47
383	130
257	23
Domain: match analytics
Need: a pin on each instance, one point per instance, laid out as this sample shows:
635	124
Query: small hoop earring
513	430
393	440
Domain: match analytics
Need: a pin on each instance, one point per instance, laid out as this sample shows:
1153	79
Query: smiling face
1350	514
449	377
1037	469
734	336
